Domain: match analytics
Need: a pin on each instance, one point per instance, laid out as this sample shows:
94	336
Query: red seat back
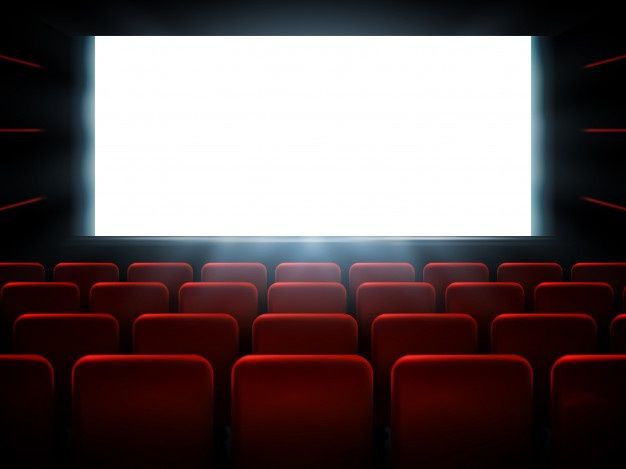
592	298
305	411
529	275
85	275
251	272
171	274
589	411
26	411
21	272
239	299
306	297
397	335
613	273
213	336
307	272
64	338
542	338
618	334
126	301
442	274
362	272
142	411
375	298
453	411
305	333
17	298
484	301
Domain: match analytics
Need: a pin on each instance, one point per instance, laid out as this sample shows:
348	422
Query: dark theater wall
50	163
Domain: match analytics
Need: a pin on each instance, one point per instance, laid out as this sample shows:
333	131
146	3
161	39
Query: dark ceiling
432	17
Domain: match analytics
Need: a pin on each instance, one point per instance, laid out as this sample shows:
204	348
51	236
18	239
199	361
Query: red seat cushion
308	272
529	275
171	274
85	275
306	297
362	272
442	274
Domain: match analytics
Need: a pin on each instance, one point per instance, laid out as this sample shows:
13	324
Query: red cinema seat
529	275
304	411
239	299
64	338
213	336
613	273
589	411
618	334
306	297
542	338
484	301
592	298
251	272
397	335
35	297
21	272
442	274
26	411
85	275
375	298
461	411
362	272
171	274
142	411
126	301
305	333
308	272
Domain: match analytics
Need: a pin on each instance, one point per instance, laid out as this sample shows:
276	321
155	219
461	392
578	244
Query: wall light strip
21	131
605	61
602	203
22	203
605	131
20	61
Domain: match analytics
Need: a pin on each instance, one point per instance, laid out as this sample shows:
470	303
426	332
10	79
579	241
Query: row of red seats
539	338
440	275
483	300
312	411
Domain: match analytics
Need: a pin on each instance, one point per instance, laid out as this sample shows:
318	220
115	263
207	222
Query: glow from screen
313	136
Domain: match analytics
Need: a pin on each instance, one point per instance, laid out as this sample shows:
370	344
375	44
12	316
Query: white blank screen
313	136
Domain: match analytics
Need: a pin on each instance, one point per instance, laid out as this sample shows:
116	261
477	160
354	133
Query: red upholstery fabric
85	275
589	410
305	333
251	272
592	298
128	300
308	272
442	274
306	297
171	274
396	335
21	272
618	334
362	272
613	273
26	411
375	298
239	299
542	338
213	336
35	297
304	411
529	275
461	411
64	338
142	411
484	301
